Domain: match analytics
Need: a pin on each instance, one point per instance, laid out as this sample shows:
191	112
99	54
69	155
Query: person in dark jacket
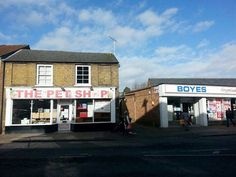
229	117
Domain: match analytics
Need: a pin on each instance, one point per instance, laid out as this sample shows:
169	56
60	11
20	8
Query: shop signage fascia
196	91
59	93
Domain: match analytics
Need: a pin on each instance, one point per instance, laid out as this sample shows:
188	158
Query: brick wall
24	74
143	106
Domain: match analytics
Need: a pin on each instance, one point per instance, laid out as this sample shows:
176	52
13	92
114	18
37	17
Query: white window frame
51	83
89	70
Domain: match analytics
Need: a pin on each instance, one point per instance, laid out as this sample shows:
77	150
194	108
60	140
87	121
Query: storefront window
216	108
102	111
41	112
21	112
84	110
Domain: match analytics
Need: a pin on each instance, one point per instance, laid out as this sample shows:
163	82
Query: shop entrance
65	114
178	105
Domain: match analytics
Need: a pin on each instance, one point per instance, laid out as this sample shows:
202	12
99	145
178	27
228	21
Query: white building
163	101
206	100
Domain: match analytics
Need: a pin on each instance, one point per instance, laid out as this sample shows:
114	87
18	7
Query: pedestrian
229	117
128	123
186	118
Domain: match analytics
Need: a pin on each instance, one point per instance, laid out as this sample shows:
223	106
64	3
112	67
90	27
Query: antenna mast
114	44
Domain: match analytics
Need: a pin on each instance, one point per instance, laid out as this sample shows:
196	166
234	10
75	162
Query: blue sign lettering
191	89
179	88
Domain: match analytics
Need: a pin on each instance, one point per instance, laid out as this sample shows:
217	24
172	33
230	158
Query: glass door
64	114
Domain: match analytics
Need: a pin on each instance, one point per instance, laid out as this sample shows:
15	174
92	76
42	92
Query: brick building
6	51
142	106
163	101
56	90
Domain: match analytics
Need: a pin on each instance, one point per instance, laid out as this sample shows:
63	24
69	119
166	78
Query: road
127	156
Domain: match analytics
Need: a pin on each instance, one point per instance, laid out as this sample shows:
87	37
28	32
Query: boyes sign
191	89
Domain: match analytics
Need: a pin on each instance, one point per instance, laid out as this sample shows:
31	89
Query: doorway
64	114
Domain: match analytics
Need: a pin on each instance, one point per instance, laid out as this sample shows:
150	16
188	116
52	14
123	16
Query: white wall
163	112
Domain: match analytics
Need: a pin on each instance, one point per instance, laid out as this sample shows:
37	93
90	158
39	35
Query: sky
154	38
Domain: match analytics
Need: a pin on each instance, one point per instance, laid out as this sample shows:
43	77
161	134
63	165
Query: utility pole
114	44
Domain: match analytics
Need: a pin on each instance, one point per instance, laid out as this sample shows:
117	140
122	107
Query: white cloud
4	37
31	13
223	62
98	16
126	35
150	18
170	12
8	3
32	18
202	26
100	23
73	39
211	64
203	43
175	54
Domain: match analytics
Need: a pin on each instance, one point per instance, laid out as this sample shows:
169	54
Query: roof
6	50
61	56
193	81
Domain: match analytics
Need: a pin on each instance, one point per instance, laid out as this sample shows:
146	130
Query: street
188	155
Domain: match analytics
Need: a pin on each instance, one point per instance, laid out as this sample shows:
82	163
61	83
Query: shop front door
64	114
64	122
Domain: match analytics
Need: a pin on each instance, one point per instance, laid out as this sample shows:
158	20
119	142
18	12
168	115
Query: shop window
44	75
82	75
84	110
54	113
216	108
102	111
41	112
21	112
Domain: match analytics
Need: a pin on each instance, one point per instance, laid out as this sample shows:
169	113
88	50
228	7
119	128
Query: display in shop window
216	108
84	110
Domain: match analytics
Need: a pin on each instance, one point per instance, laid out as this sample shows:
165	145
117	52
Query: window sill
82	85
51	85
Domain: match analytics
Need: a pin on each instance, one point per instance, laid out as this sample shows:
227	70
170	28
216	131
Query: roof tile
61	56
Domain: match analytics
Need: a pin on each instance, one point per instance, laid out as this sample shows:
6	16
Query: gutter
2	93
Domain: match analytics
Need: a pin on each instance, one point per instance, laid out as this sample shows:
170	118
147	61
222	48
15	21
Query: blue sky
155	38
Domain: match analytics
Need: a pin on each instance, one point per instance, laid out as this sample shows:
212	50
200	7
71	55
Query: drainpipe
2	93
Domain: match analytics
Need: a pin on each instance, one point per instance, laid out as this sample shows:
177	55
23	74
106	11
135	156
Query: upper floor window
44	75
83	75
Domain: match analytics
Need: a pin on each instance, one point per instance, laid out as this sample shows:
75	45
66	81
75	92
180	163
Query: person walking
186	118
229	117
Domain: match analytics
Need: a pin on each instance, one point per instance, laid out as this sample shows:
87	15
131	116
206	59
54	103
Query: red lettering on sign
78	94
28	93
68	93
104	93
58	94
38	94
87	94
19	93
50	93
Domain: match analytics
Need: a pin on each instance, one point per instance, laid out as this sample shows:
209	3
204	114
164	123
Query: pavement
141	133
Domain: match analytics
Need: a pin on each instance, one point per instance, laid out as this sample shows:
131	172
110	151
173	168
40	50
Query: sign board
196	90
58	93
